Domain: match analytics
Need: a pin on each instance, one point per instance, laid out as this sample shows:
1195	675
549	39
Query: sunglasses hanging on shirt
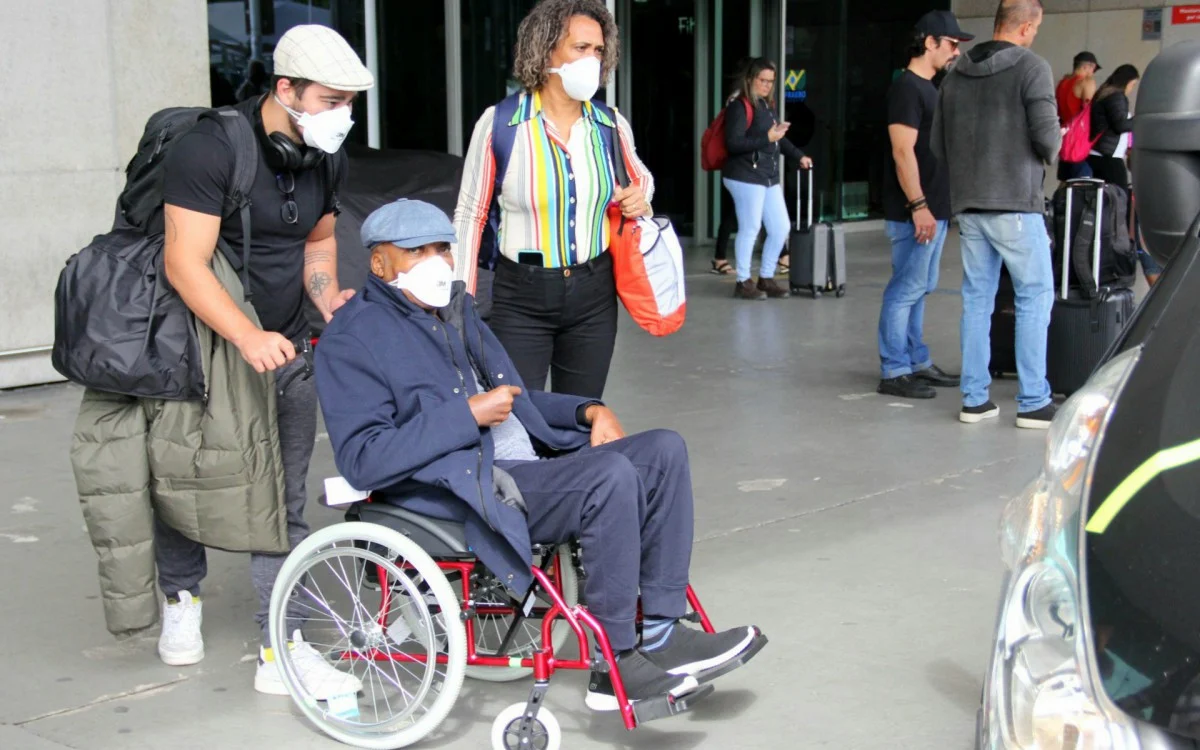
289	211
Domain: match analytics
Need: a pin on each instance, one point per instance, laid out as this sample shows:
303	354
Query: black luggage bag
1082	327
818	250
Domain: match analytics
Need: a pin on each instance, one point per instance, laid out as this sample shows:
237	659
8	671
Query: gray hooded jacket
996	128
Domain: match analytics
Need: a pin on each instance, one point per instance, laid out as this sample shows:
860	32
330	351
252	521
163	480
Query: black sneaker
1037	420
642	679
689	652
906	386
976	414
937	377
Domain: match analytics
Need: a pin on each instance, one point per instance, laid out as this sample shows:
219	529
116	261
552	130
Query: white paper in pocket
338	492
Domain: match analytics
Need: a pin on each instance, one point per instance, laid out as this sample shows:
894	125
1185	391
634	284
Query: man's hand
632	201
925	225
265	350
806	162
493	407
336	303
605	426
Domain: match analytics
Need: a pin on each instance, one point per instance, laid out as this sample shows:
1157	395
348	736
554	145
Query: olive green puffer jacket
213	470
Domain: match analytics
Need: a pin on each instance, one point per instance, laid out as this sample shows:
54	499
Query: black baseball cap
942	23
1086	57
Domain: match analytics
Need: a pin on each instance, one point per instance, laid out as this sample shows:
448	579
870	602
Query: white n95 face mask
324	130
429	281
581	79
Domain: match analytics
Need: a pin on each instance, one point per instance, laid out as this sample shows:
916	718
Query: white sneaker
320	679
181	643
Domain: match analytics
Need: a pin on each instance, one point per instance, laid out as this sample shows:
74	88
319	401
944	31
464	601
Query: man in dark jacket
422	405
996	128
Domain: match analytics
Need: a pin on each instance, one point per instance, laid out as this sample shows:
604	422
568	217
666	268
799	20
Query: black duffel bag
119	326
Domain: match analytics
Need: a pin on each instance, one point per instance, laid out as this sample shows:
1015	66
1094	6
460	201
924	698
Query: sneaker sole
977	418
912	396
1033	424
716	661
605	703
181	658
274	686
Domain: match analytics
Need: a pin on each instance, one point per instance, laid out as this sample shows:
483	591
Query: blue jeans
1021	243
756	206
902	349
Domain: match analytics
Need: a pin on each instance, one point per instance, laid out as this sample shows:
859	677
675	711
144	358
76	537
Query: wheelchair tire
562	631
546	730
334	557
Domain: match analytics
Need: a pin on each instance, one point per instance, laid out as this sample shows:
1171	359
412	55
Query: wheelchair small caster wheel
544	731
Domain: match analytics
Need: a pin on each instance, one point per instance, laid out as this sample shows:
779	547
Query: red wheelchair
398	600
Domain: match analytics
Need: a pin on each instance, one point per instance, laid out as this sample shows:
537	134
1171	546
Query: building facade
86	74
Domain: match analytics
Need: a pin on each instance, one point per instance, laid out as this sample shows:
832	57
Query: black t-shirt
196	177
911	101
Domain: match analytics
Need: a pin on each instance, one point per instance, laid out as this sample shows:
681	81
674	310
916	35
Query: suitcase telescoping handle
1098	224
801	224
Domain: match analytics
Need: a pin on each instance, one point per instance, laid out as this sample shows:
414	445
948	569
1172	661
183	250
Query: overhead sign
796	86
1185	14
1152	24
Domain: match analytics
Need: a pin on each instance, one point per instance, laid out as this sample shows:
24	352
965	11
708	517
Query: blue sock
655	632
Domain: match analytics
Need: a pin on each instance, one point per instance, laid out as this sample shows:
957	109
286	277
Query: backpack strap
240	134
749	110
504	134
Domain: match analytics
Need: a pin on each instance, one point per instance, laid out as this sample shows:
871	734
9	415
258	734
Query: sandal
785	264
721	268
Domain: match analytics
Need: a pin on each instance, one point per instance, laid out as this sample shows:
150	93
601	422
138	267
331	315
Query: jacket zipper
479	452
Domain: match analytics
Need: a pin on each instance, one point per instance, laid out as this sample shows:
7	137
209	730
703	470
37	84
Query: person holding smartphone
754	139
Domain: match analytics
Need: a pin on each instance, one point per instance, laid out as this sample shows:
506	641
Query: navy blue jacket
393	382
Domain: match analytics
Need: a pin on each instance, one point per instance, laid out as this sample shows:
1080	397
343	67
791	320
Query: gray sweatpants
182	563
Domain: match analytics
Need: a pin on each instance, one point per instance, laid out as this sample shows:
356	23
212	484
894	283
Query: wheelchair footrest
665	706
751	651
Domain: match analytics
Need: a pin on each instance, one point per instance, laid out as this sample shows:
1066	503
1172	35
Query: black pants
1112	171
728	224
629	504
557	320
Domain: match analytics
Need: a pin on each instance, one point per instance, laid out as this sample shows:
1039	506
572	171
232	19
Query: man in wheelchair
424	407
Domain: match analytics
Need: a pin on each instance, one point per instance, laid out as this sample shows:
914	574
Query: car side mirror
1166	142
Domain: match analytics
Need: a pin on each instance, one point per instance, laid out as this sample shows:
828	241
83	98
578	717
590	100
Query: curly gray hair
544	28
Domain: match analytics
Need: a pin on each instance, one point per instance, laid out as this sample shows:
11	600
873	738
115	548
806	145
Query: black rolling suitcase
1082	328
1004	328
818	250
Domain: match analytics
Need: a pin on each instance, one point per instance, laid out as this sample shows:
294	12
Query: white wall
1111	29
80	78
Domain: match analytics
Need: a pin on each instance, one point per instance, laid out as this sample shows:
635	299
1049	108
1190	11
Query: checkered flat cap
320	54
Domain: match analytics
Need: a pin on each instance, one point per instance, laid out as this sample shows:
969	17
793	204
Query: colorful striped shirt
555	193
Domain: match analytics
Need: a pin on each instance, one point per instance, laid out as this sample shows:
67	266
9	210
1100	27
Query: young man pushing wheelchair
424	407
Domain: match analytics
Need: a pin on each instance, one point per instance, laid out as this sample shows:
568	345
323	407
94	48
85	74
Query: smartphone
530	259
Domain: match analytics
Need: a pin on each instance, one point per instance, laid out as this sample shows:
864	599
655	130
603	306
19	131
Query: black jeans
557	320
629	504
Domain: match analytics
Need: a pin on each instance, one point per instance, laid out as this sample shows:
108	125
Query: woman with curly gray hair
538	180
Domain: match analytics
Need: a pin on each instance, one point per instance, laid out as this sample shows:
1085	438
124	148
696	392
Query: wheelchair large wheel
408	686
491	629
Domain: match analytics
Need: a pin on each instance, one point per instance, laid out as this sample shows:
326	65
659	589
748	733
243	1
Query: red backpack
712	144
1077	141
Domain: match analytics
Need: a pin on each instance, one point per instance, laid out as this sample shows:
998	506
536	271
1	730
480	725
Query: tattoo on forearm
319	282
317	257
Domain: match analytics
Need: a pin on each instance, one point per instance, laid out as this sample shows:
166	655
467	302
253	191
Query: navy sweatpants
629	504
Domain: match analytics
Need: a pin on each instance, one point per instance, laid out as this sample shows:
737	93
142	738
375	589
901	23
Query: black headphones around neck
281	151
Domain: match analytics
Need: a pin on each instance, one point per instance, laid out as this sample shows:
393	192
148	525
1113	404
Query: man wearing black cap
916	202
1073	92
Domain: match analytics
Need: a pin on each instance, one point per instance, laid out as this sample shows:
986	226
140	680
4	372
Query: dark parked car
1098	635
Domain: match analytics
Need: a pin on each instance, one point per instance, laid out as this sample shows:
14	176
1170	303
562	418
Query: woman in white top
537	183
